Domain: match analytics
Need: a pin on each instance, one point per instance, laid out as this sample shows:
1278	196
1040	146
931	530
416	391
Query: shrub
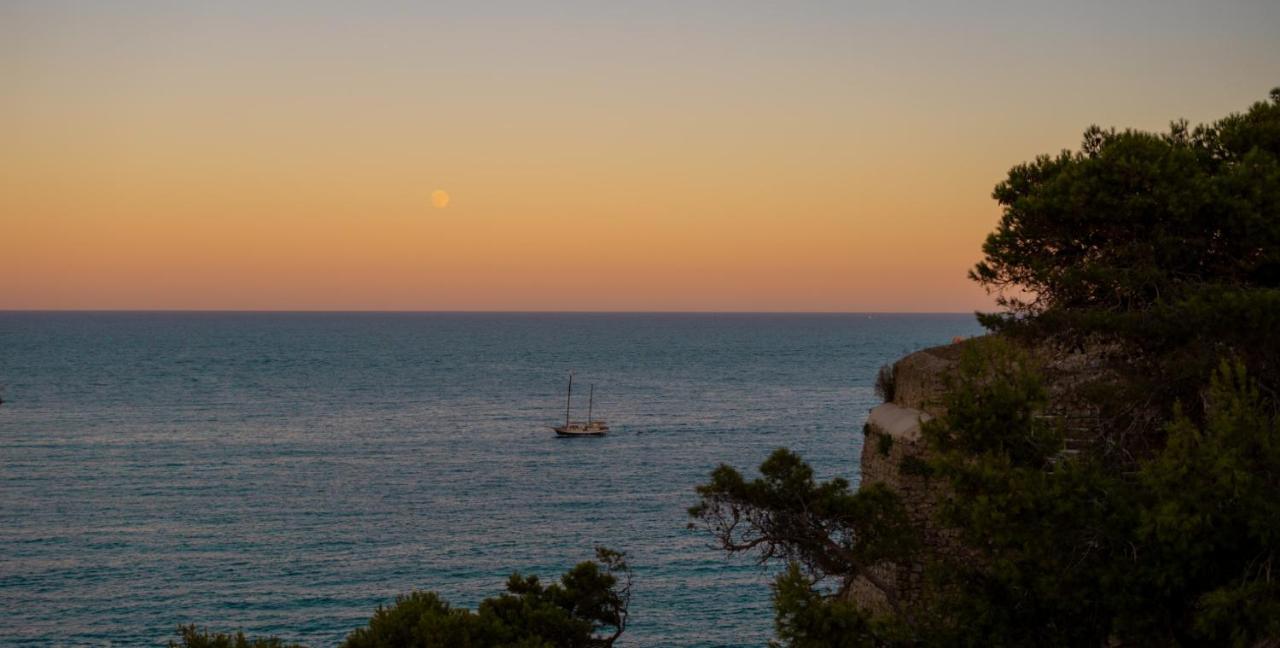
885	383
193	637
1050	549
884	444
588	608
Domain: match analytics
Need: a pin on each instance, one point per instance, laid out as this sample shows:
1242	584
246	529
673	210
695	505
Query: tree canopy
588	608
1046	548
1165	243
1134	220
825	529
192	636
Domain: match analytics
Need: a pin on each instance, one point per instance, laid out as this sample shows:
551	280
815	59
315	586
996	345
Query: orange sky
720	157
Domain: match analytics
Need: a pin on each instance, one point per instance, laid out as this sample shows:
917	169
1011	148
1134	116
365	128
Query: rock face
893	440
919	379
898	422
892	437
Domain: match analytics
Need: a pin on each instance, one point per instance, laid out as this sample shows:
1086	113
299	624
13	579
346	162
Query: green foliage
1166	243
1060	549
886	383
994	404
915	466
1110	226
587	608
1243	615
1047	548
193	637
808	618
1035	528
1211	522
884	444
1070	552
827	531
1167	248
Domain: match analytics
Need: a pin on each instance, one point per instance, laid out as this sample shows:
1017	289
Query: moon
440	198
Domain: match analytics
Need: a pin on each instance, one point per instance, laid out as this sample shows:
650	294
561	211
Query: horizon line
479	312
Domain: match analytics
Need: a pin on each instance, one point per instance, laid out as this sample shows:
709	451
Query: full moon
440	198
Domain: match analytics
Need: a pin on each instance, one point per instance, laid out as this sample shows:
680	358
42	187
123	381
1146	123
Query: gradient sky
599	156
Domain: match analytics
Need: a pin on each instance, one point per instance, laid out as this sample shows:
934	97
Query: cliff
893	442
892	437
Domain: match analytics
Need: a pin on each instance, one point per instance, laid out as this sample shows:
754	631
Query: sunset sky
703	156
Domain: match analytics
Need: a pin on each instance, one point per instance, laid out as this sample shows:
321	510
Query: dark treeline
586	609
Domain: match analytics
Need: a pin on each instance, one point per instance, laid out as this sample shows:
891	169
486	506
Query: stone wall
920	377
892	436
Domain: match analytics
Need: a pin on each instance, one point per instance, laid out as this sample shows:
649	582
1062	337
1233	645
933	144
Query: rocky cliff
892	438
893	443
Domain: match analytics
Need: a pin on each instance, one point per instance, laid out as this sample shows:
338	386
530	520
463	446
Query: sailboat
576	428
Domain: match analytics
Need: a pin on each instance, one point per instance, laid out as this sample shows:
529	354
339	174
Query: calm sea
287	473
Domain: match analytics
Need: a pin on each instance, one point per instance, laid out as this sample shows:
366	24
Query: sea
287	473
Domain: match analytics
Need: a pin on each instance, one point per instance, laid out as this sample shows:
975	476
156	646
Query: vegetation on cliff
193	637
1050	547
1159	255
1164	245
1059	548
824	530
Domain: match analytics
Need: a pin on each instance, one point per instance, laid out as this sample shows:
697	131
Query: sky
593	156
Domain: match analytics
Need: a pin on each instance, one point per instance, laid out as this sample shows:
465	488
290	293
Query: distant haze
596	156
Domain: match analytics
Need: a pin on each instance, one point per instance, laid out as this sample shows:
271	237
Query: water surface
285	473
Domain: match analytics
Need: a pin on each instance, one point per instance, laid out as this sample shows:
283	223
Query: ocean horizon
286	472
470	312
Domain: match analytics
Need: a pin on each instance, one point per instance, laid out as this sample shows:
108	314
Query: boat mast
567	399
591	400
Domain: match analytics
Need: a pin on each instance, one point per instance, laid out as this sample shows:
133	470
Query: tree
1209	525
1049	548
1134	220
193	637
806	617
1062	550
1166	244
826	533
588	608
1038	532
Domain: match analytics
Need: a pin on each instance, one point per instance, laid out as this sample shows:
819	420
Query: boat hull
580	431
